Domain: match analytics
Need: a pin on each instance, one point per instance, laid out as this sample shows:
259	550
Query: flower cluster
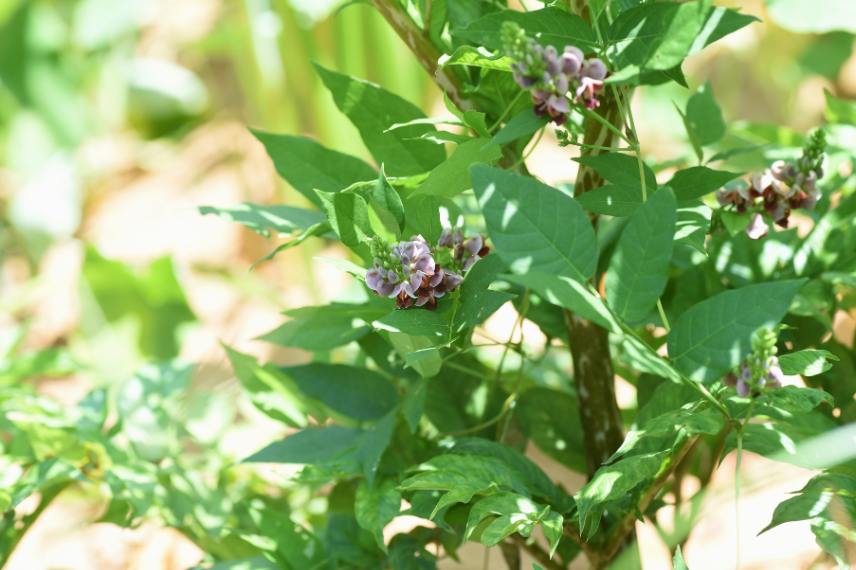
408	271
775	192
761	369
550	75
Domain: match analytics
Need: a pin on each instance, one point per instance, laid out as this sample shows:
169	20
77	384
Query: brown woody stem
424	50
589	343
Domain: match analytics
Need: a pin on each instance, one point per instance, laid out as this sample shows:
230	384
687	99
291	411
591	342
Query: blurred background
119	118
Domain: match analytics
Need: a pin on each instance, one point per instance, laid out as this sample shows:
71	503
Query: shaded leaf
324	327
695	182
357	393
523	124
375	506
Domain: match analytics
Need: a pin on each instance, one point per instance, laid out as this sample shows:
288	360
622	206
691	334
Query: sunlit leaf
638	270
535	227
713	336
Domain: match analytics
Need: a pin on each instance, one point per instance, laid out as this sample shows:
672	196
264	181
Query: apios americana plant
638	270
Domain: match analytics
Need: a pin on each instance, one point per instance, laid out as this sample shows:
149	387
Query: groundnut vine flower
774	193
408	271
551	76
761	370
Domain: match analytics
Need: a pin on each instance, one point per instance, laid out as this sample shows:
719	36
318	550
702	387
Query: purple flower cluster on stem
761	370
777	191
408	271
550	76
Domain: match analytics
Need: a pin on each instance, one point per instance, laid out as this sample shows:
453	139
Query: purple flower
572	61
408	272
587	92
744	380
551	60
470	251
552	105
775	377
757	228
450	238
382	281
594	69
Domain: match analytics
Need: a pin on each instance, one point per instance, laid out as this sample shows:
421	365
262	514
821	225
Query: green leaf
612	200
478	57
514	513
152	298
356	393
809	362
419	352
693	224
790	402
695	182
424	214
668	429
567	293
324	327
535	227
375	506
386	212
496	517
347	450
415	322
618	482
477	302
703	118
461	477
660	35
373	444
146	409
311	446
621	170
840	111
639	268
263	219
713	337
453	176
735	222
550	26
317	230
808	18
536	483
372	110
267	389
348	214
413	404
678	562
550	419
523	124
307	165
815	498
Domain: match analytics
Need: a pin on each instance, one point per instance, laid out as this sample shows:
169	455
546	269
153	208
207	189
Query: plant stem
424	50
538	553
506	111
